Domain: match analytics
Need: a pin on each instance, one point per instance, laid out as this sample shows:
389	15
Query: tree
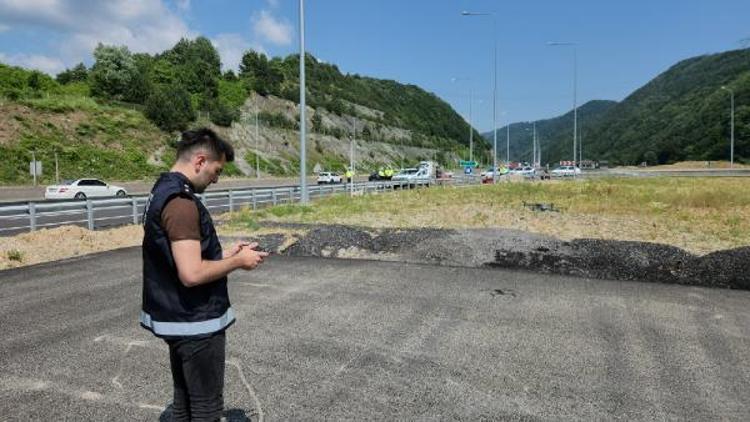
229	76
649	157
79	73
317	123
169	107
260	75
113	71
222	114
197	65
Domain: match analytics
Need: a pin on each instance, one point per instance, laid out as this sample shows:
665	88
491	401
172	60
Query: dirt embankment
493	248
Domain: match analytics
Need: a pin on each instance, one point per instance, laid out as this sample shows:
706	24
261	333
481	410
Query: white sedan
566	171
327	177
82	189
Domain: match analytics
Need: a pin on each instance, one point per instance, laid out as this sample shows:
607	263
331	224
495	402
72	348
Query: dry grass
48	245
63	242
697	214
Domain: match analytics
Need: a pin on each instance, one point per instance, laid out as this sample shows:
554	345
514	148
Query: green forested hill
118	117
432	121
555	135
682	114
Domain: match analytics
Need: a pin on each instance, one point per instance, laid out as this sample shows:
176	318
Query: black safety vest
170	309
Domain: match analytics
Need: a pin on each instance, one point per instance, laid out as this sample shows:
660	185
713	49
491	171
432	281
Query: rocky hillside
328	139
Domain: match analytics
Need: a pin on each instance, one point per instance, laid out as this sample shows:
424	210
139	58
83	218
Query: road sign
35	168
467	163
467	169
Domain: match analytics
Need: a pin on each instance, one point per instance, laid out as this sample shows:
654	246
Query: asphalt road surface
323	339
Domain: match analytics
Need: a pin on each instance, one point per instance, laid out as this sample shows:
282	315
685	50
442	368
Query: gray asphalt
324	339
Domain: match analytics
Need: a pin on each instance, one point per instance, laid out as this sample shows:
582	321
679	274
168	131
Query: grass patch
15	255
289	210
696	214
61	103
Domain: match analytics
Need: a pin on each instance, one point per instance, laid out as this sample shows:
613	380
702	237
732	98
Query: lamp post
494	90
731	148
302	105
533	142
351	156
507	144
575	91
257	141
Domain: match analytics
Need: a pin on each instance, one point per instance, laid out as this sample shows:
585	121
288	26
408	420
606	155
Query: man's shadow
229	415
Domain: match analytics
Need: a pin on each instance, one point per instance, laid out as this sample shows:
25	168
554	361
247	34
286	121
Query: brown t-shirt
181	220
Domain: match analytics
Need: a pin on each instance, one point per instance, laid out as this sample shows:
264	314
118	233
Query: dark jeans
198	375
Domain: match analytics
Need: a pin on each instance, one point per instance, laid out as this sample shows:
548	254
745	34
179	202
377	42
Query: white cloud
231	47
142	25
49	65
273	3
183	5
268	28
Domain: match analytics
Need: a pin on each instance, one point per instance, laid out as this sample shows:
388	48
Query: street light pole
507	144
494	90
257	141
533	142
575	91
471	129
731	148
351	156
302	120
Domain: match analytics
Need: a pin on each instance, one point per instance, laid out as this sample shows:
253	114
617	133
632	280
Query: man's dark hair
193	140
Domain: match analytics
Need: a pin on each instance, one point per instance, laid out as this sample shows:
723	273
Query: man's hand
237	247
249	257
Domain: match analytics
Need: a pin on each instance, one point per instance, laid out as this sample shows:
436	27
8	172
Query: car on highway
526	171
488	175
405	175
566	171
82	189
327	177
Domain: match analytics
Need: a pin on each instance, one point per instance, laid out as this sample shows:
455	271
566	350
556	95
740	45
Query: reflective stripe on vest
187	328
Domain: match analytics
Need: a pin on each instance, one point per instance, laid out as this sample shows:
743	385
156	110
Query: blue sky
621	44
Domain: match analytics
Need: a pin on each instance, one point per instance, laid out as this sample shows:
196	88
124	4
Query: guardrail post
291	195
134	203
32	216
255	200
90	214
273	196
231	201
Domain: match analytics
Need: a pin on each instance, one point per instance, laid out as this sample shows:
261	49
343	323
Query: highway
325	339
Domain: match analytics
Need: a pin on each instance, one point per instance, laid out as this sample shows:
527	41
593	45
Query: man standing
185	299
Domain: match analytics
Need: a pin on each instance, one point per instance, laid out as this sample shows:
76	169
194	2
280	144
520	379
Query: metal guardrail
111	212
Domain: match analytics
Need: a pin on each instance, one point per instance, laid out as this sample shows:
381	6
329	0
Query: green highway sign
467	163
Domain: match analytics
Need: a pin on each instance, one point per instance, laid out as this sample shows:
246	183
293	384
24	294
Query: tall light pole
731	148
471	124
257	141
533	141
507	143
494	90
302	105
351	156
575	91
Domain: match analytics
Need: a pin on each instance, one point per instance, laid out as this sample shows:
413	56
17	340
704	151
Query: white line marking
249	388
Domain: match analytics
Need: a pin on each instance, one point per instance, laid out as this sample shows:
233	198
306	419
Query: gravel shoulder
474	248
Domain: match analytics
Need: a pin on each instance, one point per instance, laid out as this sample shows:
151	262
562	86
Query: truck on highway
424	174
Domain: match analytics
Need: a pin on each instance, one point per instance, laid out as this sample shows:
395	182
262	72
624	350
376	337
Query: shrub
170	107
15	255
